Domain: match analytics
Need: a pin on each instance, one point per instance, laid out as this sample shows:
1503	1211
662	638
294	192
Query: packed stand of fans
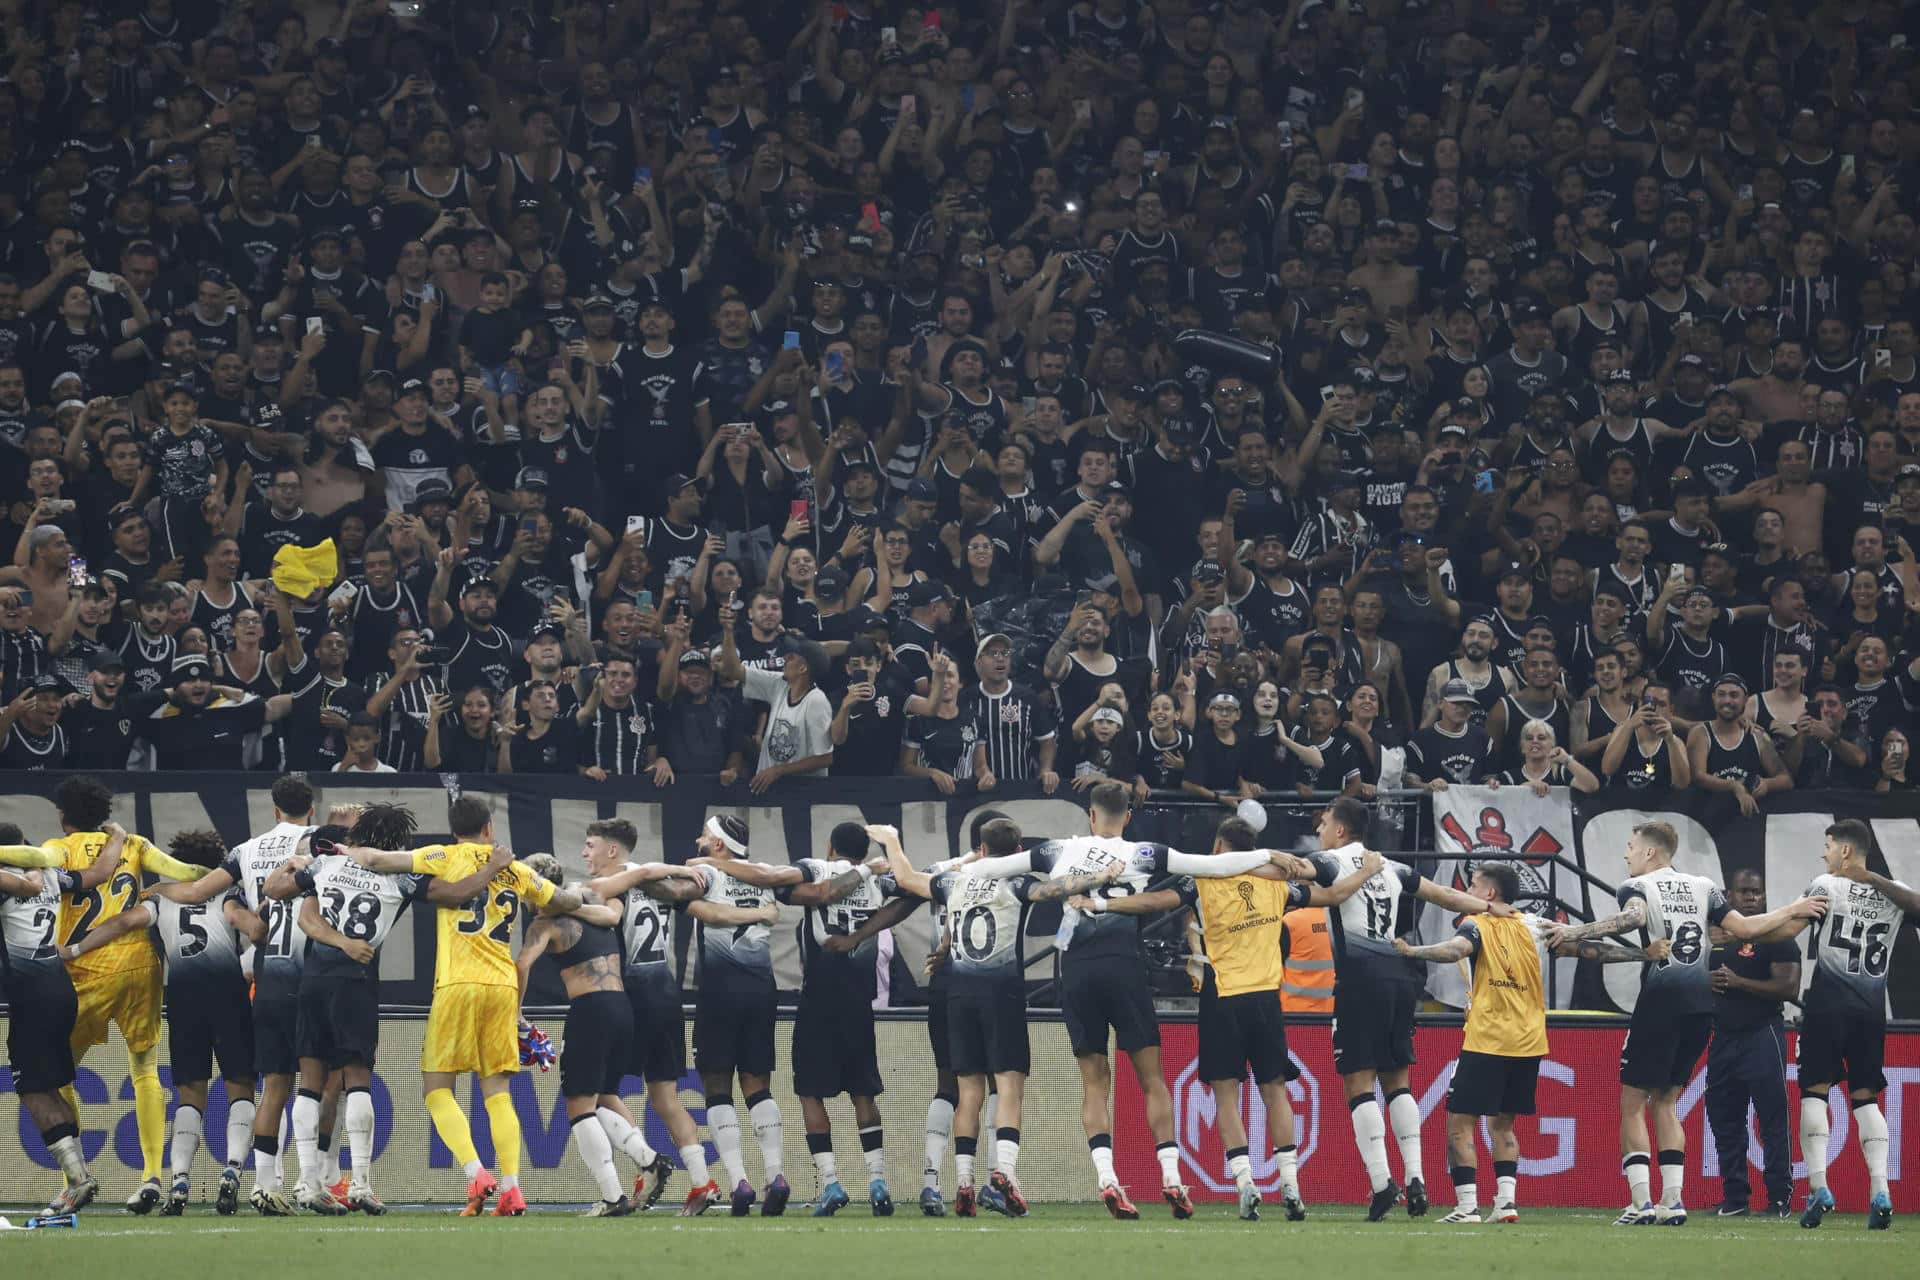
699	389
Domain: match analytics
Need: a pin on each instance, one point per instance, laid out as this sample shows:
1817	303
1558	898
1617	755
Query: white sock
1006	1154
694	1157
874	1153
1466	1190
73	1163
1871	1122
359	1133
963	1150
596	1152
770	1132
330	1152
187	1124
1673	1175
266	1168
509	1182
625	1137
1370	1136
989	1114
1168	1154
1506	1190
1242	1170
306	1138
1403	1113
1288	1158
239	1132
1103	1165
939	1131
724	1123
1814	1131
826	1167
1639	1178
470	1169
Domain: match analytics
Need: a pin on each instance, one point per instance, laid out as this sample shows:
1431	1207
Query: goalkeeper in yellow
474	1022
121	982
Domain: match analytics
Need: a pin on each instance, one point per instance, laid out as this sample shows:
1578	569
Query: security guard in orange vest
1306	949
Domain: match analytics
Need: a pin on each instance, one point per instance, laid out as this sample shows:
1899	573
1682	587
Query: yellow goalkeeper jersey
475	939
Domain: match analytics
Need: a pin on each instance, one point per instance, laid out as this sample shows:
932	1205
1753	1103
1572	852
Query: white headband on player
719	833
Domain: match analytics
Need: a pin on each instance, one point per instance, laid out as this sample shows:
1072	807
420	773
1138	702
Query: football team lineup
262	956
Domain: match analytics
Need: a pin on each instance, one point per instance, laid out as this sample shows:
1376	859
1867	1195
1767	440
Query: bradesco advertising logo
1196	1113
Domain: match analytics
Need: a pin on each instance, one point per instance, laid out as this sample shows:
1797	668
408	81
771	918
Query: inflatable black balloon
1224	353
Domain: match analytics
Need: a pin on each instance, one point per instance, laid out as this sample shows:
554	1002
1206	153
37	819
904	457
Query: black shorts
594	1048
986	1025
206	1015
939	1035
1237	1032
657	1048
1842	1044
1487	1084
339	1021
41	1008
1663	1045
733	1032
276	1032
1373	1023
1109	992
834	1050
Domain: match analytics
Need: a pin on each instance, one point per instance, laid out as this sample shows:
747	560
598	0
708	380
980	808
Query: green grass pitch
1057	1240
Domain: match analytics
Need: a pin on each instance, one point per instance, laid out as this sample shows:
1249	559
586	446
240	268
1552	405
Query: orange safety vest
1306	983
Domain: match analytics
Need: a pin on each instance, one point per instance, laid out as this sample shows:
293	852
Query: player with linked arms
474	1021
1673	1018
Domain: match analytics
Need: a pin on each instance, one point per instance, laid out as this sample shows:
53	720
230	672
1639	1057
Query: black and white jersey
1680	908
27	927
1465	757
360	904
276	961
985	921
848	978
1852	946
735	957
646	938
1364	926
198	943
1084	938
616	738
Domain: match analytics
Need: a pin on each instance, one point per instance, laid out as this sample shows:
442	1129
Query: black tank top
1600	721
1737	764
1640	771
262	684
1638	445
1517	716
217	620
596	940
1589	334
1485	699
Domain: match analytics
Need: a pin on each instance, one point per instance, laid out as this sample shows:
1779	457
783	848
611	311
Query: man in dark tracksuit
1747	1061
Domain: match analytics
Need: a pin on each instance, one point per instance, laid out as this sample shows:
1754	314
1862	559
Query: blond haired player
120	983
474	1022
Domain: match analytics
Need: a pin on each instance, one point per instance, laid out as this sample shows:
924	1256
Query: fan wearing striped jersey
1843	1034
1673	1018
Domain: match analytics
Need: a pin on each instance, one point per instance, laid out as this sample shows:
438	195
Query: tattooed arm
1608	951
1437	953
1068	886
1631	916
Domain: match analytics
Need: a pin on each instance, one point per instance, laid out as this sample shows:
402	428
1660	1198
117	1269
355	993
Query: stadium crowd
727	389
